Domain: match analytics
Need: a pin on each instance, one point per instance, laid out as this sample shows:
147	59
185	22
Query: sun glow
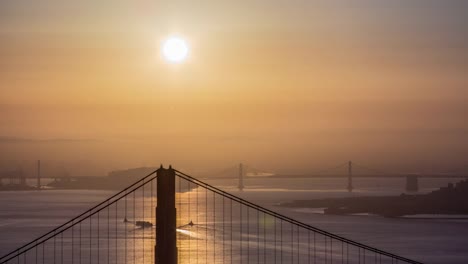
175	49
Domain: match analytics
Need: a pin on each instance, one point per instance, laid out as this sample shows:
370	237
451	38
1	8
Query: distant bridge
441	176
412	179
243	171
194	223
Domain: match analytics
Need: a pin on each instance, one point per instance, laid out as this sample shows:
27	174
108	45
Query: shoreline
450	200
320	211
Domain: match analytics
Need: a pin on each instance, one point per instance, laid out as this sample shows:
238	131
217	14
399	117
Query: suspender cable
240	232
108	235
179	209
258	236
264	238
248	236
275	240
115	232
144	221
72	245
98	242
292	244
281	240
231	228
206	225
61	248
134	222
189	205
224	232
125	227
197	213
214	228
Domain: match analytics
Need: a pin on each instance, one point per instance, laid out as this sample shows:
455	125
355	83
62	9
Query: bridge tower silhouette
166	240
195	222
39	174
350	176
241	177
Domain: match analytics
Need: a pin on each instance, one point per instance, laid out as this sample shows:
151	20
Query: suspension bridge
344	170
171	217
348	170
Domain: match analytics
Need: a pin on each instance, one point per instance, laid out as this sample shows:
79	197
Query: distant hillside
452	199
131	173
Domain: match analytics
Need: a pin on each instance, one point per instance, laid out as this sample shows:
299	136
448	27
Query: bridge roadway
419	176
51	177
346	176
364	176
411	180
448	176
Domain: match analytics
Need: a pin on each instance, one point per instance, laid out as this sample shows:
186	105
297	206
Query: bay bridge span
171	217
347	170
343	170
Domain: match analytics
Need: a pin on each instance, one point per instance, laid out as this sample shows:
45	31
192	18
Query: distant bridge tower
241	177
412	184
350	176
39	174
22	178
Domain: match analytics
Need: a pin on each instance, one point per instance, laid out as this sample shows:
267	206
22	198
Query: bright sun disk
175	49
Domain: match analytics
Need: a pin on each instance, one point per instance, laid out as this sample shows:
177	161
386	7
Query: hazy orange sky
281	85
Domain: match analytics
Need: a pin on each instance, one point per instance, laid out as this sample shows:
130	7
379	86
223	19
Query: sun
175	49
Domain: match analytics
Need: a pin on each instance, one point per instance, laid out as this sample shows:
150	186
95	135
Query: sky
288	86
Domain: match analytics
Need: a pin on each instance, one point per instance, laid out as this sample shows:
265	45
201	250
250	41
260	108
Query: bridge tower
166	237
39	174
241	177
350	176
22	178
412	184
